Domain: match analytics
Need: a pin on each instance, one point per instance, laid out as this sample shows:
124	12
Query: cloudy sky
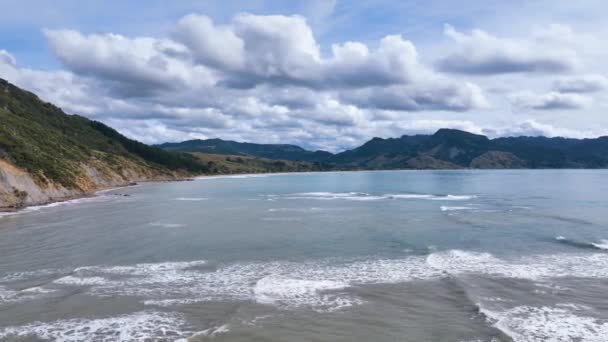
324	74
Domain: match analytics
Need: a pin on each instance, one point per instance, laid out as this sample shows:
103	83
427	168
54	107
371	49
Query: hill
47	155
450	149
270	151
446	149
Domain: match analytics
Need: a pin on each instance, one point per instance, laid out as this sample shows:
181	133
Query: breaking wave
362	196
602	244
139	326
319	285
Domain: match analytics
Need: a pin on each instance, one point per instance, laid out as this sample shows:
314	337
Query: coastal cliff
47	155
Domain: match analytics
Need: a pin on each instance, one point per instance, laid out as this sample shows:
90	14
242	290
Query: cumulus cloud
550	101
212	45
267	79
481	53
438	96
253	51
581	84
134	66
282	50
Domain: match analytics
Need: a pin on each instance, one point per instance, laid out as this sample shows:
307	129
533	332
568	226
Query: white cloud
444	96
481	53
137	66
211	45
269	79
7	58
282	50
581	84
550	101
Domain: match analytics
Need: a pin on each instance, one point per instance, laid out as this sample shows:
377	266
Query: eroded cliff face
19	188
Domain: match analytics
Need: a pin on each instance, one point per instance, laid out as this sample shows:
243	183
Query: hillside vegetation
51	145
446	149
227	147
48	155
231	164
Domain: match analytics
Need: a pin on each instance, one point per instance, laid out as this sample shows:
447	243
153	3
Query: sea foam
319	285
139	326
559	323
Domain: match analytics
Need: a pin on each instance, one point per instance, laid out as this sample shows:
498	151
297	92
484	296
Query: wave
602	244
8	295
300	210
534	267
102	197
320	285
139	326
195	199
362	196
563	322
252	175
448	208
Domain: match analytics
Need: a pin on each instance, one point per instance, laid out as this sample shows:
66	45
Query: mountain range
47	155
446	149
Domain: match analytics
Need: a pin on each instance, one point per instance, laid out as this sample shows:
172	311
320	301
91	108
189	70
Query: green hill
48	155
450	149
270	151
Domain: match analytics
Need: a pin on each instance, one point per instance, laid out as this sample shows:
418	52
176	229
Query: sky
322	74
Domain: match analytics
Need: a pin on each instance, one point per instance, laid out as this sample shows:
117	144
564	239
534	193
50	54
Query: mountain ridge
230	147
446	148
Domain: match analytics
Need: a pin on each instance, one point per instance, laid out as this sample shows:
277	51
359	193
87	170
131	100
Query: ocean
505	255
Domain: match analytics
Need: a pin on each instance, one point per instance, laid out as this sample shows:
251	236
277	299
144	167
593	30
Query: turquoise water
352	256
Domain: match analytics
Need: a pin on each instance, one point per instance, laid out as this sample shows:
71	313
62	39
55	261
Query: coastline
7	211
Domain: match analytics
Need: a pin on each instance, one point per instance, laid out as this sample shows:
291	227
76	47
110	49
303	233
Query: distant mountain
450	148
446	149
270	151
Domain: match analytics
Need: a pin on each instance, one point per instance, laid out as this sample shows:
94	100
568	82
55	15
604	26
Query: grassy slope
230	164
52	146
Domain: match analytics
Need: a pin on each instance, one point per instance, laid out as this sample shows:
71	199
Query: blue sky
323	73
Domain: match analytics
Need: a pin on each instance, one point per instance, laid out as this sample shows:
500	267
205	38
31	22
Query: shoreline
8	211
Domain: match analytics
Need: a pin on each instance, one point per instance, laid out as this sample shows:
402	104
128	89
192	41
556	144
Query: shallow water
353	256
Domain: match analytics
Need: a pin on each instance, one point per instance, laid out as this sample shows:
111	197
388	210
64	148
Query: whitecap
211	332
139	326
603	244
449	208
81	281
536	324
362	196
295	292
528	267
453	198
191	199
319	285
8	295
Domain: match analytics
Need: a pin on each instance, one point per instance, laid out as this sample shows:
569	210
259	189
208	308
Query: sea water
346	256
